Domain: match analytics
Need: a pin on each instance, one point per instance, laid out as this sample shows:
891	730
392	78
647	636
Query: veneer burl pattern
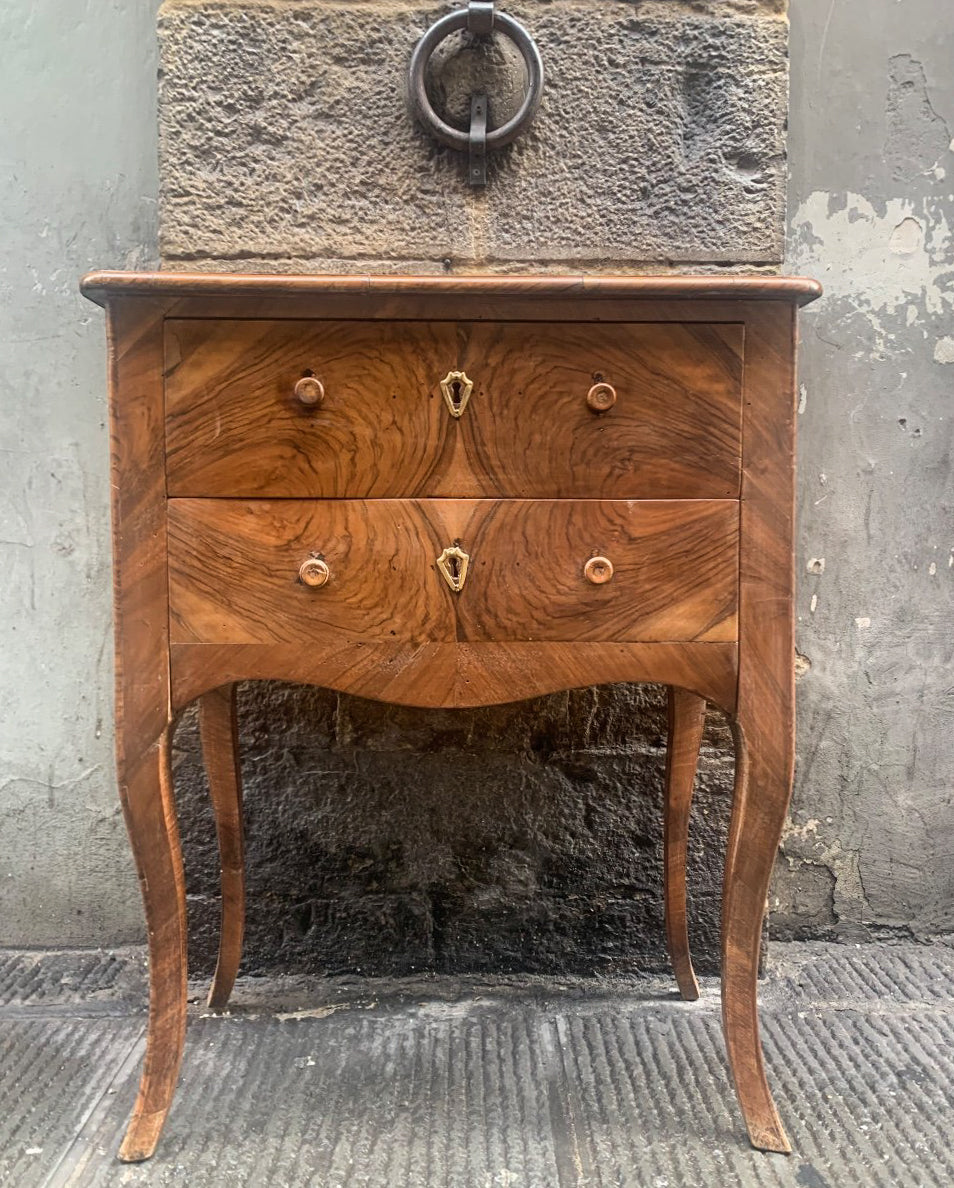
451	491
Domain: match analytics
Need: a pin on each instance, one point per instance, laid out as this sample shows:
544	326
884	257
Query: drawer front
674	571
535	570
234	425
382	427
235	572
672	431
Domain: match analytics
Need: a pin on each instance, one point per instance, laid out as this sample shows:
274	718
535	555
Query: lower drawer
388	570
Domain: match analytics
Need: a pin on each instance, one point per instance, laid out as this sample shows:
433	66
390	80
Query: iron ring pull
479	18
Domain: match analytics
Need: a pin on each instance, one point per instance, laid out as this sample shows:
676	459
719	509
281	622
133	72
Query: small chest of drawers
451	492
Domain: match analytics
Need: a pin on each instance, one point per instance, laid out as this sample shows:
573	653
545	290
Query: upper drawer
383	428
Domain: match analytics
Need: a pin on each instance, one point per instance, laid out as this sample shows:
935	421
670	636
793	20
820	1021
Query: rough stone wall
286	141
516	838
525	837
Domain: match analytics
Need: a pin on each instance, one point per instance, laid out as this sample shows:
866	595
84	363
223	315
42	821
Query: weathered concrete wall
526	837
77	188
871	848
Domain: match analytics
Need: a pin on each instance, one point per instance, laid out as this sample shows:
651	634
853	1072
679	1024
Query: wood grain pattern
234	428
143	713
674	432
99	286
233	570
687	717
457	675
674	567
234	565
218	730
764	726
140	584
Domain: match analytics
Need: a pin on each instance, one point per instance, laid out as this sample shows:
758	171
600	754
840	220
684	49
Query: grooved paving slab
285	136
528	1083
91	979
54	1073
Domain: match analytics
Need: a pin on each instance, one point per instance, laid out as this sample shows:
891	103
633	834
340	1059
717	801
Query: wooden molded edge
100	286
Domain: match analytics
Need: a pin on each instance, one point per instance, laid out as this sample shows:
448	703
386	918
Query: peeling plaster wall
871	845
78	184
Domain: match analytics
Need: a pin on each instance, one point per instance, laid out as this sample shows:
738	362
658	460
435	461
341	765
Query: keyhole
456	389
453	563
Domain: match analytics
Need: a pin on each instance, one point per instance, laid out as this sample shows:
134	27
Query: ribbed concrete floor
472	1084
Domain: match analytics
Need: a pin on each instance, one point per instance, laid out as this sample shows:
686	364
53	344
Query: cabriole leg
218	728
687	713
764	759
149	808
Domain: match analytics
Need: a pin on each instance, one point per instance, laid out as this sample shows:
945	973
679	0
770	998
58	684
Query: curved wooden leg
764	748
687	715
218	728
149	808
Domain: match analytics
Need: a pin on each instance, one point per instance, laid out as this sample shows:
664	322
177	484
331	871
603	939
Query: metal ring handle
443	131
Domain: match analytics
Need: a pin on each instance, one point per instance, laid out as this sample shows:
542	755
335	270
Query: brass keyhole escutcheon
456	388
453	564
314	572
598	570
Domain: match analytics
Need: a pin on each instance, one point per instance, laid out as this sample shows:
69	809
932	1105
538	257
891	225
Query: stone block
434	853
286	139
552	934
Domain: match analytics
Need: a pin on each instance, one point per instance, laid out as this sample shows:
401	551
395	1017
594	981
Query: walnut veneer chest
450	491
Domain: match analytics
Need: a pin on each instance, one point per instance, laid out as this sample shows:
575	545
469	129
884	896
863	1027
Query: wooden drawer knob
309	391
314	572
601	397
598	570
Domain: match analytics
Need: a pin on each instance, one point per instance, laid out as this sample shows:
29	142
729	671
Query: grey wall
871	214
77	189
520	837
